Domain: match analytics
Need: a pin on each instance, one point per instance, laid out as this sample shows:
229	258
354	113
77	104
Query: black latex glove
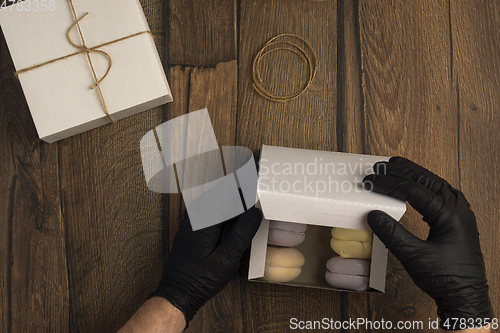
200	264
449	265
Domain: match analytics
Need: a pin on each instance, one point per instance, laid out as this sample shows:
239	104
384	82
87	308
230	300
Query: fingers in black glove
241	234
403	168
200	265
449	265
394	236
418	196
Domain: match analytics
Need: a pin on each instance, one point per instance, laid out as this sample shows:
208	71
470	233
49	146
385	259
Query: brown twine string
84	49
274	45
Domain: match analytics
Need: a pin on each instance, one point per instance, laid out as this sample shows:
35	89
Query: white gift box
59	94
323	190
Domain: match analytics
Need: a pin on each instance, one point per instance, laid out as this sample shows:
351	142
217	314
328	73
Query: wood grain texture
201	34
476	51
113	221
34	278
306	122
205	36
7	184
410	110
215	89
350	102
173	205
82	239
350	116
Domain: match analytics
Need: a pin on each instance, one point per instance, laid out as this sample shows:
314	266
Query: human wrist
156	315
180	294
170	317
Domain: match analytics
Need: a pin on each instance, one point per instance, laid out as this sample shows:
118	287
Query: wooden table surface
82	239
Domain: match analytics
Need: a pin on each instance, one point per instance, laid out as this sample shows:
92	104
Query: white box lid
315	187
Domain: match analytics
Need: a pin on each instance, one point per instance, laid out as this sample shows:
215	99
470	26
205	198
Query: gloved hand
201	264
449	265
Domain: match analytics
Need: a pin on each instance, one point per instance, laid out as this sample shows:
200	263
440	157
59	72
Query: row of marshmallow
350	270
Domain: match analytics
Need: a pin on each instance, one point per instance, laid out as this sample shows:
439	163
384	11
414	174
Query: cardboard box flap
378	265
320	188
258	251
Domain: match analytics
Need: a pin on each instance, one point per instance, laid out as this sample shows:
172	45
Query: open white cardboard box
323	190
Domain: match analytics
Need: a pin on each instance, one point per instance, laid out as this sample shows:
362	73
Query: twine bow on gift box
85	49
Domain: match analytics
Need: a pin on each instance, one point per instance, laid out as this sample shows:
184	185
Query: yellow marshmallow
352	234
351	249
351	243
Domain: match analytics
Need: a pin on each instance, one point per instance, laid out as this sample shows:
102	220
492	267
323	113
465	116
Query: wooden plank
114	223
306	122
173	205
215	89
205	36
39	271
34	280
157	25
409	110
7	184
350	116
350	119
475	27
201	34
